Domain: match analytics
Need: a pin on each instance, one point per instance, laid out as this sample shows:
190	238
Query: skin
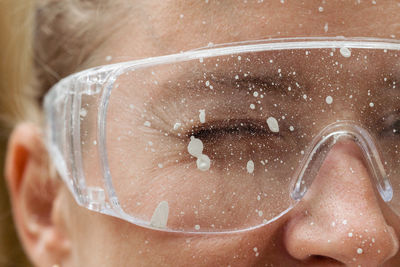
55	230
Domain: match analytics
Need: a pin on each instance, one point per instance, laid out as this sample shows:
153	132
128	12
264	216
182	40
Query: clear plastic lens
221	143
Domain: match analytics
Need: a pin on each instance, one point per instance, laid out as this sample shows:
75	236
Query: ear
36	198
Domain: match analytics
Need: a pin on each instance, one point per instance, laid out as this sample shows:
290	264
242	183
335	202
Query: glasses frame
62	111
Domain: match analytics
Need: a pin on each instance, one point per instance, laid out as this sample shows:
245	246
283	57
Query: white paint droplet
344	222
202	115
250	166
147	124
131	106
371	104
195	147
255	94
345	52
350	234
291	128
321	9
160	215
329	100
108	58
252	106
273	124
326	27
177	125
359	251
260	213
203	162
83	112
197	227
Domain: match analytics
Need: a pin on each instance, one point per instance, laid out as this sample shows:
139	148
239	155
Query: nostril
319	260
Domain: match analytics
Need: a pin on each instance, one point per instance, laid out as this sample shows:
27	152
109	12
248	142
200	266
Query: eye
229	128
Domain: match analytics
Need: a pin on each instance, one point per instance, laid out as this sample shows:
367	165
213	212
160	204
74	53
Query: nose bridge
342	132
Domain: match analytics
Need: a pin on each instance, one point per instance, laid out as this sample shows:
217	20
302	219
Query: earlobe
35	197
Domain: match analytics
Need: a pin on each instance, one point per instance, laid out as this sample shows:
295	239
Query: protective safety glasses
225	138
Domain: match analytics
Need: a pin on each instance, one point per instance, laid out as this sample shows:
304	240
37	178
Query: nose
340	219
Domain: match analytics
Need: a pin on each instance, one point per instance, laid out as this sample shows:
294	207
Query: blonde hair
41	41
15	74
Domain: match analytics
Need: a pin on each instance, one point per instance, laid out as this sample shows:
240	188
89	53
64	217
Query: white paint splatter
147	124
197	227
326	27
83	112
252	106
160	215
195	147
250	166
371	104
345	52
202	115
329	100
273	124
203	162
177	125
359	251
108	58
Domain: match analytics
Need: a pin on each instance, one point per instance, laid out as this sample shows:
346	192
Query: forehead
154	27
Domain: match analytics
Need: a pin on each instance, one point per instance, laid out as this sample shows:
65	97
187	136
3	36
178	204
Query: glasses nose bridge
321	146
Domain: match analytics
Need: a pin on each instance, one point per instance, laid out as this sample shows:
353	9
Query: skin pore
72	236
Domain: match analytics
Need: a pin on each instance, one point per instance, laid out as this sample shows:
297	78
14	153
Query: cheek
100	240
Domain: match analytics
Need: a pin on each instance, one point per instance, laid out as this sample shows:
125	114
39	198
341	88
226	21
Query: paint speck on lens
160	215
273	124
195	147
250	166
177	125
83	112
203	162
202	115
345	52
329	100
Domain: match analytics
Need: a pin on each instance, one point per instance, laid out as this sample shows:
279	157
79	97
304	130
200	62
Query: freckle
359	251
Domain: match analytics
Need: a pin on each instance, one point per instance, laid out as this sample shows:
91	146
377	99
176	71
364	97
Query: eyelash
242	128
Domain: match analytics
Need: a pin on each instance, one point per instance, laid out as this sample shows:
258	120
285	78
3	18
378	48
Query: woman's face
341	220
